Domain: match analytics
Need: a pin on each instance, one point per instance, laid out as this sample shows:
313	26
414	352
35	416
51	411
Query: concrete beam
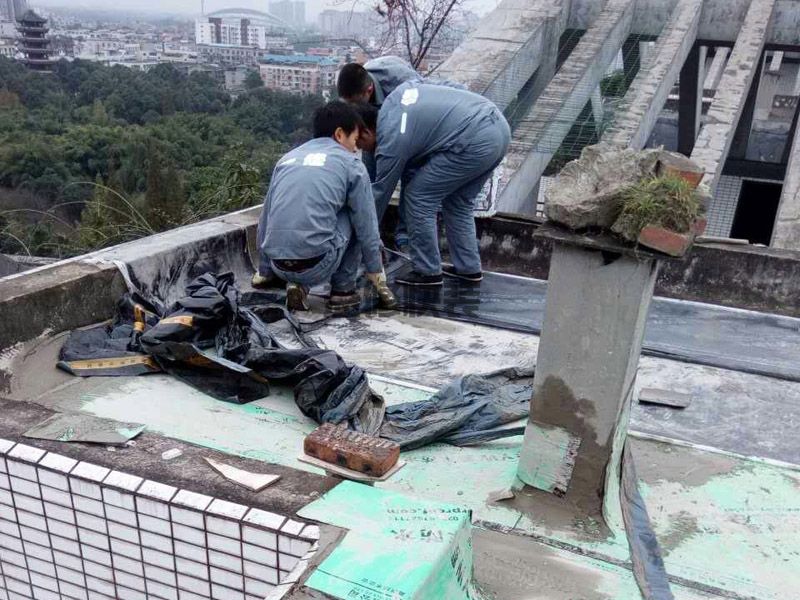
716	136
786	233
543	128
507	48
637	114
717	68
722	19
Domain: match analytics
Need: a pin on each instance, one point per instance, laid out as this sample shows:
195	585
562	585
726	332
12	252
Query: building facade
7	50
239	27
292	12
12	10
299	74
226	55
355	24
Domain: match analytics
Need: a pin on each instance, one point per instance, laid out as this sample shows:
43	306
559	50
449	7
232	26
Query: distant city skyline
192	7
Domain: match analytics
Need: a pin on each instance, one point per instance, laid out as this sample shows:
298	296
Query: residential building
348	23
299	73
224	54
292	12
8	29
12	10
7	49
239	27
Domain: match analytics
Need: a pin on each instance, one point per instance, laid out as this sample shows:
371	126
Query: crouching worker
319	216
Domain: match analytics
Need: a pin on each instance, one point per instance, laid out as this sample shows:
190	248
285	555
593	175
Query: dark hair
335	114
368	114
353	80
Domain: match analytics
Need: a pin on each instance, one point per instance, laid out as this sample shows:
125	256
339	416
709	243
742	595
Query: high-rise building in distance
12	10
292	12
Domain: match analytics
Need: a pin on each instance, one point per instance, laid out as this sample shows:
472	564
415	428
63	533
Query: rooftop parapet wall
84	290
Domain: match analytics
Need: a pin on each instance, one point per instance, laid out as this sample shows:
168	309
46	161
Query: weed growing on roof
667	201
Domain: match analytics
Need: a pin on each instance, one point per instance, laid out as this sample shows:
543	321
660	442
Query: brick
672	163
663	240
355	451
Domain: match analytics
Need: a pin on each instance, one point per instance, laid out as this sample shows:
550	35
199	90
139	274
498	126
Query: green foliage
108	153
253	81
668	201
614	85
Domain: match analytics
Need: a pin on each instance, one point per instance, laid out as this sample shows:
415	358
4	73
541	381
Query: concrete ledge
85	289
58	297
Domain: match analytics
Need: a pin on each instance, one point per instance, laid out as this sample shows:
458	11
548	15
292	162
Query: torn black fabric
213	343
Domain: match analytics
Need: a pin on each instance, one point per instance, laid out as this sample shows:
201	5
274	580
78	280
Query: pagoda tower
33	42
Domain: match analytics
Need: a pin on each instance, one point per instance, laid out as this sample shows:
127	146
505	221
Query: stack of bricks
75	530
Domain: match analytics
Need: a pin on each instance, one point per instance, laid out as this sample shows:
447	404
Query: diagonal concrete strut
544	127
637	114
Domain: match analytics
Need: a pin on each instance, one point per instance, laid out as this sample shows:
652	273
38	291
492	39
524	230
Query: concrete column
638	113
717	67
786	233
645	50
542	129
507	48
595	312
597	109
690	104
745	126
716	136
631	60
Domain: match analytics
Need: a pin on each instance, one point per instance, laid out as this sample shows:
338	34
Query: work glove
385	295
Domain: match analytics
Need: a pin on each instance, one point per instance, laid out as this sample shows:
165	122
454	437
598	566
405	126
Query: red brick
671	163
355	451
663	240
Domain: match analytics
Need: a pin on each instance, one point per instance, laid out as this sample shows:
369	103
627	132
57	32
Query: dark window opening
756	211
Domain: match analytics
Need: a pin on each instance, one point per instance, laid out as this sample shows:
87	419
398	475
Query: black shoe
344	301
417	279
471	277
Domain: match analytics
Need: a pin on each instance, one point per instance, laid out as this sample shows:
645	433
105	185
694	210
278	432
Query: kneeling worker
444	143
319	216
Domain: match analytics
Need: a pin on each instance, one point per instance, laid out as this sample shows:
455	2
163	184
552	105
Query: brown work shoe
296	297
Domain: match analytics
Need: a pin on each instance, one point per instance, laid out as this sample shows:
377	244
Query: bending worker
375	80
319	216
444	143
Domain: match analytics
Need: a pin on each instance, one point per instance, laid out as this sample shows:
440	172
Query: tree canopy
93	155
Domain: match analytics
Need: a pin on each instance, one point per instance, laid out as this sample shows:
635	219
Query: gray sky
193	6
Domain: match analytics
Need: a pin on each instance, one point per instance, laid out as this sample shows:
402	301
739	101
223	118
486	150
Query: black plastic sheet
703	334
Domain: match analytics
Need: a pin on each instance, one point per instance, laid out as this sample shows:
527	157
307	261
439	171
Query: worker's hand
385	295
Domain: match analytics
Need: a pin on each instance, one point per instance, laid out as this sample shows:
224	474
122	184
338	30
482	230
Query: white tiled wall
75	530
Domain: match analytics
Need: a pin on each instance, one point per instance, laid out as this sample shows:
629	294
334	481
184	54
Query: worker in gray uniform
319	216
375	80
444	143
372	83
